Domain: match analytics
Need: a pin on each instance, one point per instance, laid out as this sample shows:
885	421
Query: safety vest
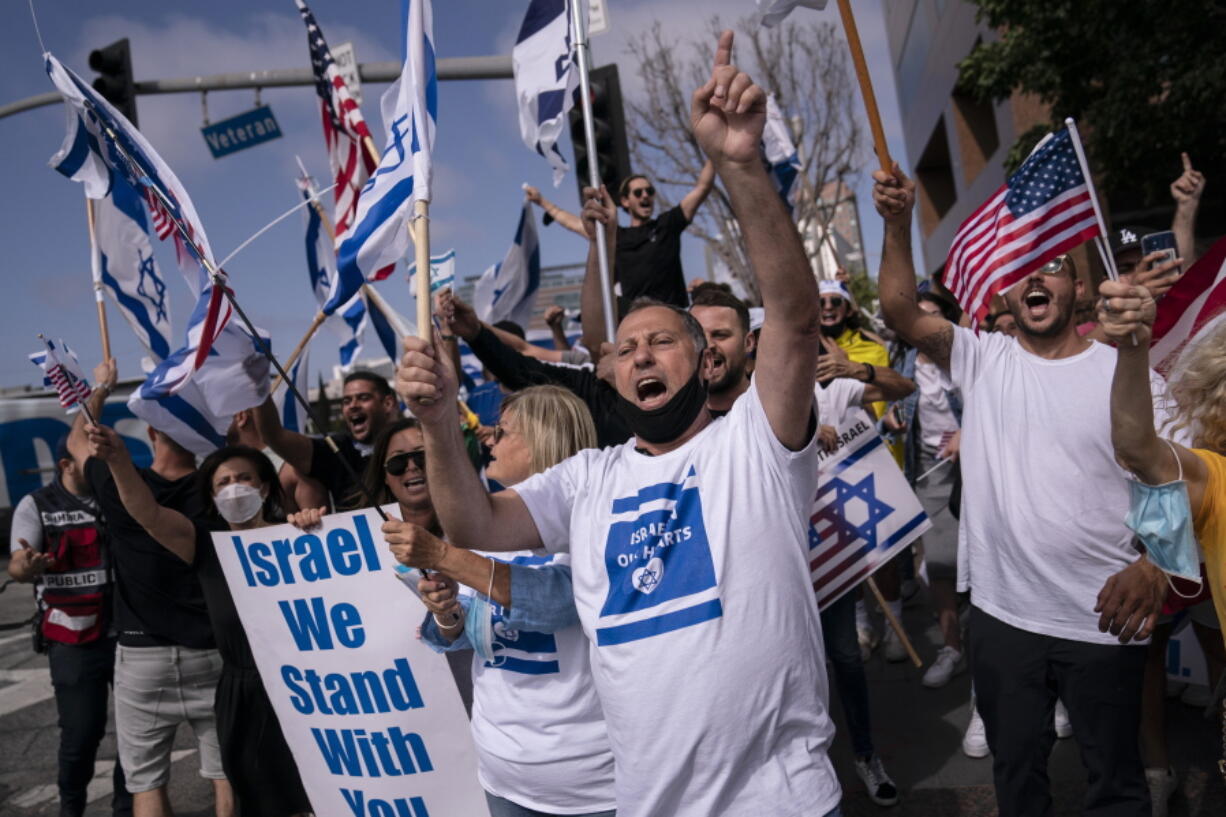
73	592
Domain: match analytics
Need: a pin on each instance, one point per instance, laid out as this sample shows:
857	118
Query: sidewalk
918	733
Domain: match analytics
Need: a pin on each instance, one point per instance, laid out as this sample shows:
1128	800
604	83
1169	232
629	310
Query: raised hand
105	444
598	207
533	195
555	315
308	518
1125	311
464	320
1186	190
893	194
425	375
413	545
728	113
106	373
1156	274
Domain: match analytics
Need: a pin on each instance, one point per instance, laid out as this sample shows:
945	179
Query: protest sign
372	715
864	512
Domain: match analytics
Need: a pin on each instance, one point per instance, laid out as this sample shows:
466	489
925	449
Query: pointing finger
1187	161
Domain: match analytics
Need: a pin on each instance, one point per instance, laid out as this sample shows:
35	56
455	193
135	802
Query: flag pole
866	86
593	167
95	266
420	229
1107	259
371	150
894	623
218	279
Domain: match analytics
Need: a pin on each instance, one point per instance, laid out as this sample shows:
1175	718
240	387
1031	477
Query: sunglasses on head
639	192
398	464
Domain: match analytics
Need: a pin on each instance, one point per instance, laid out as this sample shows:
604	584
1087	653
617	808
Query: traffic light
608	127
114	83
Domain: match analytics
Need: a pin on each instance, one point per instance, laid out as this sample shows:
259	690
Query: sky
480	161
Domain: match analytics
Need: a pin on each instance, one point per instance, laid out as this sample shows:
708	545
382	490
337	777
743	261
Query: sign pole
593	167
95	266
866	86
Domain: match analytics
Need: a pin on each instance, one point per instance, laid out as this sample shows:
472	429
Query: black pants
81	675
1018	675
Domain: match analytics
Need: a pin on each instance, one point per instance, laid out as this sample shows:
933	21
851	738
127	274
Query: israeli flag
410	111
289	409
348	321
389	325
442	272
98	133
127	269
783	162
507	290
772	12
546	76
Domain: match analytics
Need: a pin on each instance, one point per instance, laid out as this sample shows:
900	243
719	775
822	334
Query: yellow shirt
860	349
1210	524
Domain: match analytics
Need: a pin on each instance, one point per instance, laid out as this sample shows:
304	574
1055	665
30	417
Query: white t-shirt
838	397
935	415
691	580
1043	500
536	720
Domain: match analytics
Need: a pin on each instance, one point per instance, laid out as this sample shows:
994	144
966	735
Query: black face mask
669	421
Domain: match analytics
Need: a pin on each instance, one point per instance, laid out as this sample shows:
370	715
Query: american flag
62	372
1189	307
344	132
1044	209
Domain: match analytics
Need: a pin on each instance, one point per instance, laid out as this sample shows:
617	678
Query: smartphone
1155	242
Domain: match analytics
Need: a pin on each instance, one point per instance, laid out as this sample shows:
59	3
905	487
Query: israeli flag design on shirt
522	651
658	559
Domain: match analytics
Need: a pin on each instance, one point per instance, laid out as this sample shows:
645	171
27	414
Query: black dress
256	759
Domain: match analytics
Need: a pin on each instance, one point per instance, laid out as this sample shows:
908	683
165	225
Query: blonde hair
553	421
1198	385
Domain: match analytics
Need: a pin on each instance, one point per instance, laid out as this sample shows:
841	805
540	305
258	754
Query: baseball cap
827	287
1128	238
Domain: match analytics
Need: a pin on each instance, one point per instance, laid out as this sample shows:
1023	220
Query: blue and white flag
410	111
507	290
348	321
389	325
546	77
772	12
98	133
289	409
126	267
442	272
783	162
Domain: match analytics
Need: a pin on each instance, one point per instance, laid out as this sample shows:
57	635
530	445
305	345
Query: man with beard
1042	528
689	541
367	404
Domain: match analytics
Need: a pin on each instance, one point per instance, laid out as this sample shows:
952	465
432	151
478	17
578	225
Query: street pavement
917	732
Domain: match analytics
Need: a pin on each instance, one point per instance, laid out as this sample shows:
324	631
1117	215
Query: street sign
347	63
243	131
597	17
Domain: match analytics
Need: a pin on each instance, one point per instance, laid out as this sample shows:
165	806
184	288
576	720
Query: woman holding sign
241	491
542	746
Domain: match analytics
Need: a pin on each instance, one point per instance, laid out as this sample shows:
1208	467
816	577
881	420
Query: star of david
648	579
835	512
158	296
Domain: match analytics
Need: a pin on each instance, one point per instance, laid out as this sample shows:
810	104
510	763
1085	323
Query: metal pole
449	68
593	167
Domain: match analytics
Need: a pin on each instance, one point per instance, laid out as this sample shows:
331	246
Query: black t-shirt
228	629
649	259
326	466
158	599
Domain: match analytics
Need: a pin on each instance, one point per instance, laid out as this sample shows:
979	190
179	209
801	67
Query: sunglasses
831	301
500	431
639	192
1053	266
397	465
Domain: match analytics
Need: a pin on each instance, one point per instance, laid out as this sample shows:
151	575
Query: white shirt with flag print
537	723
691	581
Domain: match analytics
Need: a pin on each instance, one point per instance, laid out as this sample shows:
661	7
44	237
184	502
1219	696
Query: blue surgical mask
1161	517
479	625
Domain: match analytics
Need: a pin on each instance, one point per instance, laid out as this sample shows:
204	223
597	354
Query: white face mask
238	503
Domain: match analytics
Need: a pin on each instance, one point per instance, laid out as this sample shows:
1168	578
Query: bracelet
872	373
453	625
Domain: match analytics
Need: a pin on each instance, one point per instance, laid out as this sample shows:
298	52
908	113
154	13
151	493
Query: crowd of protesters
1047	567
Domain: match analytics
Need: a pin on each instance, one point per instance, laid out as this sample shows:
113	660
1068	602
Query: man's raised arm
727	115
470	517
894	197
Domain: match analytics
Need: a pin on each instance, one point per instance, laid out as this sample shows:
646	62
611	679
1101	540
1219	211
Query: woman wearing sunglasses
542	747
241	491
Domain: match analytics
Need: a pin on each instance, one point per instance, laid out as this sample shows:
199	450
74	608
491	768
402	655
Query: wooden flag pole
371	150
895	624
95	264
866	86
302	344
421	240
